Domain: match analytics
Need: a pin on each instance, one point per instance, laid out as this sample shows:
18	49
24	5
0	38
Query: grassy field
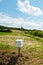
31	52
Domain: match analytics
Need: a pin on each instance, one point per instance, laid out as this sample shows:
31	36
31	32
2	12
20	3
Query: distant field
10	37
14	33
21	33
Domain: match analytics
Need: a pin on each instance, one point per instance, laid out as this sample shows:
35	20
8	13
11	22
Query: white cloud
25	7
19	22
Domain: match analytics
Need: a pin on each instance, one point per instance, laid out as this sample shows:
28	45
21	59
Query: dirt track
26	58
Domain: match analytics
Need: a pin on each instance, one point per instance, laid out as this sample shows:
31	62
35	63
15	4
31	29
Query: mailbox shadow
13	60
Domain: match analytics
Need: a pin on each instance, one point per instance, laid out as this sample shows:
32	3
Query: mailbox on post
19	44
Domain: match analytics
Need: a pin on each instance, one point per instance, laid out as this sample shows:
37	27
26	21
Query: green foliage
4	29
35	33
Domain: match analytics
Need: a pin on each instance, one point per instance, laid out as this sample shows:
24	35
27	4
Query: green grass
22	33
6	47
31	37
34	37
12	33
2	46
5	33
34	48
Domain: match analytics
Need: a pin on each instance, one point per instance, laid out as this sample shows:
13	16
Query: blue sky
22	13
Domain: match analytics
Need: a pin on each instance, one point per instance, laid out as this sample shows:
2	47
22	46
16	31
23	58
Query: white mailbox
19	43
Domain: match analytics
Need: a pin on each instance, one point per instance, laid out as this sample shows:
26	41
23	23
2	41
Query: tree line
4	29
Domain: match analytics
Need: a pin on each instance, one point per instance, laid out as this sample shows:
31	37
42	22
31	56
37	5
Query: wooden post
18	51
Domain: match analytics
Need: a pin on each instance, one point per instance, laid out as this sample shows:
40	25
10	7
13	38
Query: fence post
18	51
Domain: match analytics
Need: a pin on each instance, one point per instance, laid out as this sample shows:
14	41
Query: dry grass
10	40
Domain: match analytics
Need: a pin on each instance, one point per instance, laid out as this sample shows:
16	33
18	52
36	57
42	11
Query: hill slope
31	52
